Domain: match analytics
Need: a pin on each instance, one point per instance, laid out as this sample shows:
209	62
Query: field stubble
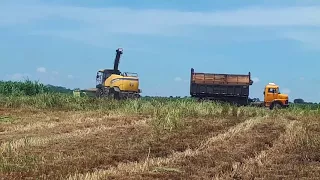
156	139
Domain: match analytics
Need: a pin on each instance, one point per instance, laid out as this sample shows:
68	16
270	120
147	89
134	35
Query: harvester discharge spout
117	60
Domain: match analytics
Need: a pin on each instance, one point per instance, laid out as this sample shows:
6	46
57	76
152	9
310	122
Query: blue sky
65	43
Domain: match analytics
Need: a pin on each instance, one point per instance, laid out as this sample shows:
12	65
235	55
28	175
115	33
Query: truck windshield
274	90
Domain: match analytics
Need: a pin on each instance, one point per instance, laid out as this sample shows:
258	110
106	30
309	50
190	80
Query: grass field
56	136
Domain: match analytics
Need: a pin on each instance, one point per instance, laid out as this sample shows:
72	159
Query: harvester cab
104	74
273	98
113	83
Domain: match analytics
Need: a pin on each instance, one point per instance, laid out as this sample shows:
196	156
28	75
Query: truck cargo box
227	87
222	79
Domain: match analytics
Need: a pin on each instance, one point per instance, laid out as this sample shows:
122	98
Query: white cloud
255	80
311	39
178	79
146	21
70	76
301	78
41	70
94	25
286	91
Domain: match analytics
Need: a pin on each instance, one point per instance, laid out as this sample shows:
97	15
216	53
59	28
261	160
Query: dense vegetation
33	93
29	88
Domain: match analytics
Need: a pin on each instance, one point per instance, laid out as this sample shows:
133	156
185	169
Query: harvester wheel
99	93
137	96
114	95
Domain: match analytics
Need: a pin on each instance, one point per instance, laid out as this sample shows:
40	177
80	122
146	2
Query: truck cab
273	98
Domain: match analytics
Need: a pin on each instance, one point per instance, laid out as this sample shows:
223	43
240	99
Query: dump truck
231	88
234	89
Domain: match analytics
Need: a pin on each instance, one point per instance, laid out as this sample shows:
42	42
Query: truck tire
275	105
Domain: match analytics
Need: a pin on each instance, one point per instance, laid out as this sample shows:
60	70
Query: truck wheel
275	105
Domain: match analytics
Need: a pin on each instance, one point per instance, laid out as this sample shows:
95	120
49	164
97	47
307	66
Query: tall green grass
26	88
42	98
167	113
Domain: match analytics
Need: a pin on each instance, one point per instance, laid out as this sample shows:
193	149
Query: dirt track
59	145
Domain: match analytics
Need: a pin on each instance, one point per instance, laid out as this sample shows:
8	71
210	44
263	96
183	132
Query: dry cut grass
168	142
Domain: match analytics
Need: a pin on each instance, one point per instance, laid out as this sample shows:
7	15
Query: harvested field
159	140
